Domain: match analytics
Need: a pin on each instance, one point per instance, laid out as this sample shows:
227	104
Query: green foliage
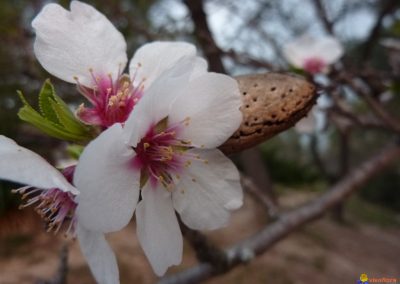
371	212
287	166
54	117
384	190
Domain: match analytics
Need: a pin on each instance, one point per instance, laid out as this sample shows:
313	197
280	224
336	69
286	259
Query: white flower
53	196
81	46
313	55
21	165
164	158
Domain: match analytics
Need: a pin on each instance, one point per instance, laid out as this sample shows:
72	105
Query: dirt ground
321	252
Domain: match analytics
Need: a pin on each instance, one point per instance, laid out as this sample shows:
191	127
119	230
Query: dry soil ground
321	252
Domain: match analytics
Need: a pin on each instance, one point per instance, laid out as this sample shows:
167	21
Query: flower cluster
158	129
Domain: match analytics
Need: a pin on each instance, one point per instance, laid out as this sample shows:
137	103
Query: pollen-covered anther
53	205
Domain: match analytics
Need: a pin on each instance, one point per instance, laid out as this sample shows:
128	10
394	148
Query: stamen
56	207
161	154
112	100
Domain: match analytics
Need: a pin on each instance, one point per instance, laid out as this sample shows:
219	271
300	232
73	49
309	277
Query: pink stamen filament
56	207
161	154
112	100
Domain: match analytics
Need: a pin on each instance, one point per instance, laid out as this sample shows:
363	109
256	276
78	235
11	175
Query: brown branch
206	251
290	221
203	34
260	196
375	106
214	57
388	7
321	12
247	60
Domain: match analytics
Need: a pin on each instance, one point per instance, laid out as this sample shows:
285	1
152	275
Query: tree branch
321	12
203	34
290	221
371	41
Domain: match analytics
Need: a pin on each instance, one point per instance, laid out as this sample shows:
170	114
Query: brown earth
321	252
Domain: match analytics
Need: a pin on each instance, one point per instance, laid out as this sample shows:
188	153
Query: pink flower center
314	65
55	206
112	100
161	155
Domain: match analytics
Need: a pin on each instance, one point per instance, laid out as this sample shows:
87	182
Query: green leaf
68	120
46	97
55	117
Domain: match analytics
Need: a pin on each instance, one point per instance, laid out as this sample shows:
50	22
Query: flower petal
212	103
207	193
21	165
158	229
99	255
156	101
299	50
328	49
153	59
69	43
108	183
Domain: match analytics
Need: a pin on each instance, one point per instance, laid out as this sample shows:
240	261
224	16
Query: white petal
158	229
156	102
329	49
207	193
212	103
99	255
200	68
69	43
299	50
21	165
153	59
108	183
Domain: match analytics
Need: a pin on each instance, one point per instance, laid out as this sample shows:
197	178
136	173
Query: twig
379	111
62	272
206	251
260	196
203	34
292	220
214	57
321	12
388	7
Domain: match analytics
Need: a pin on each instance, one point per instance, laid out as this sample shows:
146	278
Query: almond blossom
313	55
48	189
53	196
164	158
82	46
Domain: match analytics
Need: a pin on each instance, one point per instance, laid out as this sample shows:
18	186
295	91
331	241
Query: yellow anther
146	145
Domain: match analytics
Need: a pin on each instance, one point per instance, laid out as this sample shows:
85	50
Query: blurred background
360	236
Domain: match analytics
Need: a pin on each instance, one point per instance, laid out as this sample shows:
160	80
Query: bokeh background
360	236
